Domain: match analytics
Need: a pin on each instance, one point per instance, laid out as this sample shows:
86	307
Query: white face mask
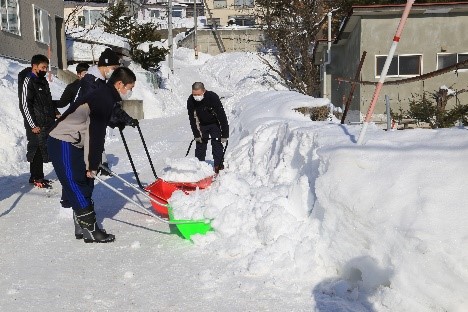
127	95
198	98
109	73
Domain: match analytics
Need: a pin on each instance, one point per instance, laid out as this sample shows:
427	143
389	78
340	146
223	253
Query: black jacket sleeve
119	117
28	103
101	103
192	119
69	94
220	115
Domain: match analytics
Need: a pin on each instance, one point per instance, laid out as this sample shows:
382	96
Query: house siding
345	59
423	34
22	47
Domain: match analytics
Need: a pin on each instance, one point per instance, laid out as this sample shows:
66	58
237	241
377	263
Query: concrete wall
24	46
423	34
242	39
134	108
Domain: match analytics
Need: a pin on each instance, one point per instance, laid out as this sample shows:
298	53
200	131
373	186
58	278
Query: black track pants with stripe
70	168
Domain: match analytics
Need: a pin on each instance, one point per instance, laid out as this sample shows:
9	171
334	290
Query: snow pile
98	35
186	170
358	222
95	41
13	147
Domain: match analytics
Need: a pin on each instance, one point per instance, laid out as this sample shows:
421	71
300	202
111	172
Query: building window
41	25
9	10
92	17
449	59
154	13
244	3
401	65
219	4
242	20
177	13
213	20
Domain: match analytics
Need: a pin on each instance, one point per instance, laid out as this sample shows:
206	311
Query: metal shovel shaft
133	187
144	194
131	200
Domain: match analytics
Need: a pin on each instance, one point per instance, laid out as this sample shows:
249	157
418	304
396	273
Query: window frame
457	55
244	5
41	40
377	74
217	5
18	33
88	20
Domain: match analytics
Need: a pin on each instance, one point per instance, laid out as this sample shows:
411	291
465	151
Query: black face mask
41	73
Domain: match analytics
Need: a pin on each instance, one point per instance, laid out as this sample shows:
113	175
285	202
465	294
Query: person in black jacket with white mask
39	113
71	90
208	119
96	77
76	144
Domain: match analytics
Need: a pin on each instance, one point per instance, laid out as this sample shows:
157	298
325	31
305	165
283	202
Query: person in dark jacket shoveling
208	119
39	113
76	144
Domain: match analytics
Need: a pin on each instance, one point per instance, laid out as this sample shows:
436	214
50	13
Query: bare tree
292	28
71	22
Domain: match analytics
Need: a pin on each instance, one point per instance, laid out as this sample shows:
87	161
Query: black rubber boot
91	232
78	229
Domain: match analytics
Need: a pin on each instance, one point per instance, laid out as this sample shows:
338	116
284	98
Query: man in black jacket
39	112
71	90
96	77
208	119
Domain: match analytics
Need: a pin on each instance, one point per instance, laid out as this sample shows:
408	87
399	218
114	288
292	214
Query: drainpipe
324	91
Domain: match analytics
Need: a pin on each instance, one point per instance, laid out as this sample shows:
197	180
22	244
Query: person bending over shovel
76	144
208	119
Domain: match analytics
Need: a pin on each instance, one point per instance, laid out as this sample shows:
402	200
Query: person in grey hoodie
76	144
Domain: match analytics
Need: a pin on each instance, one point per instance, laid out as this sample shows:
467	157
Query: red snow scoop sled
160	191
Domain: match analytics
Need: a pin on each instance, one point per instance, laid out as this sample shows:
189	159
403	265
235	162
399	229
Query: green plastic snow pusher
187	228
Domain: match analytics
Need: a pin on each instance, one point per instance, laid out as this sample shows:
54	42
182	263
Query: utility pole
195	18
169	37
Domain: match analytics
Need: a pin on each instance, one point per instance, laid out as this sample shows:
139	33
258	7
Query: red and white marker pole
383	75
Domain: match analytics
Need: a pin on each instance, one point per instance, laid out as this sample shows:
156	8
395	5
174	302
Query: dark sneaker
41	183
218	168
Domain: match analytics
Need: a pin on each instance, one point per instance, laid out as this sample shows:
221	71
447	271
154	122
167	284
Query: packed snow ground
305	219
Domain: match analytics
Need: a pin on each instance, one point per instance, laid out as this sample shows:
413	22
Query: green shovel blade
187	228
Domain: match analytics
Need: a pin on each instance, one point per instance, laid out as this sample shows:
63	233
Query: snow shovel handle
146	150
133	186
193	140
131	200
190	146
129	157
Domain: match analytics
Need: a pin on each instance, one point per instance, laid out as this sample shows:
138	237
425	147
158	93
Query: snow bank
12	133
358	222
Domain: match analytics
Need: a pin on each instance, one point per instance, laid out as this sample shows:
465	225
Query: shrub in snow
116	22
